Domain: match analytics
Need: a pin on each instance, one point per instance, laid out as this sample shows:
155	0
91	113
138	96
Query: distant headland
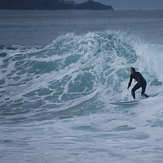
51	5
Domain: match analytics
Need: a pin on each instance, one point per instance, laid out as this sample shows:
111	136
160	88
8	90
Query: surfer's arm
129	84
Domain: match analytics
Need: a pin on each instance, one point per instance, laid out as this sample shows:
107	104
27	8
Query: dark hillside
51	5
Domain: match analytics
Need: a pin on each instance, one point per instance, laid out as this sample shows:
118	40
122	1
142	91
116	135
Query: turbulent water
55	99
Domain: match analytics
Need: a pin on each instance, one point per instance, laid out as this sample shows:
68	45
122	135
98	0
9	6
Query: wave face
55	101
75	75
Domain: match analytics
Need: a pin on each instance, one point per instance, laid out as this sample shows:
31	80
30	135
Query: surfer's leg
137	86
143	91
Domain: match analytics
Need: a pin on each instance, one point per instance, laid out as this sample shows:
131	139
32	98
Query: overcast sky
130	4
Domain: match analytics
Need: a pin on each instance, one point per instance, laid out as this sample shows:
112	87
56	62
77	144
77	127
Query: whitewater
59	72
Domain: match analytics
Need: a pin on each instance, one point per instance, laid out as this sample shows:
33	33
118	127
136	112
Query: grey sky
130	4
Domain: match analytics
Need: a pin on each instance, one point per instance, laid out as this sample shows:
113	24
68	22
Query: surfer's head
132	70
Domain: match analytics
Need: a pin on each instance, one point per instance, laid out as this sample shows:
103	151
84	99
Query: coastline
52	5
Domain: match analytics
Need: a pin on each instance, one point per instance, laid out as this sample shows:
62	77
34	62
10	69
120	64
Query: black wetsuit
141	82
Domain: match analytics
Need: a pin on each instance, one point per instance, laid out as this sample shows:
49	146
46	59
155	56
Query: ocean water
59	72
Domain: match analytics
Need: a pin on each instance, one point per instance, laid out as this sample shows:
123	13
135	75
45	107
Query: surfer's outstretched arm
130	81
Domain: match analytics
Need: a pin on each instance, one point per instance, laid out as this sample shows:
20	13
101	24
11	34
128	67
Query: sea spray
59	96
70	68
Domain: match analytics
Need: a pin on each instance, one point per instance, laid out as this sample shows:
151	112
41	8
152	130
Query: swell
74	75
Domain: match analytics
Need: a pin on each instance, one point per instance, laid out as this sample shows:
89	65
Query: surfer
141	82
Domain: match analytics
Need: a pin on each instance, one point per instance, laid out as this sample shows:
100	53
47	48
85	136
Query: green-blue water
55	95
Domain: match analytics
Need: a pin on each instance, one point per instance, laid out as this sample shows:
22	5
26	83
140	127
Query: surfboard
125	103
